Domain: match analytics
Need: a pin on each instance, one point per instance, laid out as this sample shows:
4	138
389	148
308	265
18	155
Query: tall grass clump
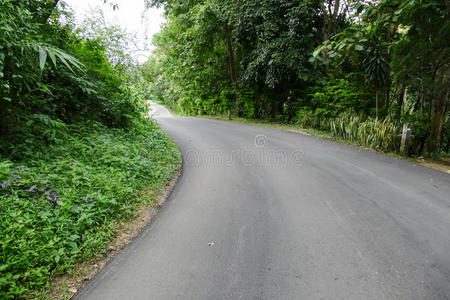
379	134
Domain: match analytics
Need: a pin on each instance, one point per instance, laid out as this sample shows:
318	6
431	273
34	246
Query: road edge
432	164
68	285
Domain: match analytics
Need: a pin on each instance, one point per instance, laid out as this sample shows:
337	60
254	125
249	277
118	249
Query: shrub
341	95
419	131
307	119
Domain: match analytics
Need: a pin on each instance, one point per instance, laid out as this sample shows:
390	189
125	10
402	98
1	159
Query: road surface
158	111
261	213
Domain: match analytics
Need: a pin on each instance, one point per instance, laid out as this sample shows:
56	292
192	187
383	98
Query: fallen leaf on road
211	244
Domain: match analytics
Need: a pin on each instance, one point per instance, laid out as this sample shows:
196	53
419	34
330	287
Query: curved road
261	213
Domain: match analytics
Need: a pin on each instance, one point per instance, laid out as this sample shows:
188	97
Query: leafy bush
47	70
248	103
58	203
340	95
419	131
307	119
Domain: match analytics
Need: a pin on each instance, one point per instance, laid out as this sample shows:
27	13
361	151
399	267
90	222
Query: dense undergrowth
59	202
76	150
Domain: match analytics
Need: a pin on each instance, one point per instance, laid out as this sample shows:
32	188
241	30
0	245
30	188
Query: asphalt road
261	213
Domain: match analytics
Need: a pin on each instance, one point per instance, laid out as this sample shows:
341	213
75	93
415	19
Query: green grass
59	205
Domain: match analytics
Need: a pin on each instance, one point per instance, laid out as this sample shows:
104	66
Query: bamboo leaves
54	53
42	58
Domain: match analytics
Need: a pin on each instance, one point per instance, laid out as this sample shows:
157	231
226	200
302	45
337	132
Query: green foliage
75	148
279	37
422	59
118	44
307	62
59	202
307	119
210	51
46	69
383	135
338	95
249	105
420	129
379	134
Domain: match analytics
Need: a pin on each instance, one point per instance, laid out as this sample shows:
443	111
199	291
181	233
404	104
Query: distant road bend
262	213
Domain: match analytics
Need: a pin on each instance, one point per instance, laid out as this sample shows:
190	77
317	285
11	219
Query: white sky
129	16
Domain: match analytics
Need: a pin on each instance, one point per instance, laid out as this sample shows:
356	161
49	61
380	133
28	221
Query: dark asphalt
261	213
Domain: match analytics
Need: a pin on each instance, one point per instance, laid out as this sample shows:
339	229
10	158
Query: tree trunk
237	104
377	95
329	17
231	67
438	114
406	136
406	132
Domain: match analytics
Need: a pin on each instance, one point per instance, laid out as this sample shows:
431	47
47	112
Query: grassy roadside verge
60	203
441	164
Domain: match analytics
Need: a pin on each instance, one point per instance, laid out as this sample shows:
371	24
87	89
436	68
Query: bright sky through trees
131	16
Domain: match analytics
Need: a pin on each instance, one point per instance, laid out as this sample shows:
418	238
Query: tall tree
422	57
